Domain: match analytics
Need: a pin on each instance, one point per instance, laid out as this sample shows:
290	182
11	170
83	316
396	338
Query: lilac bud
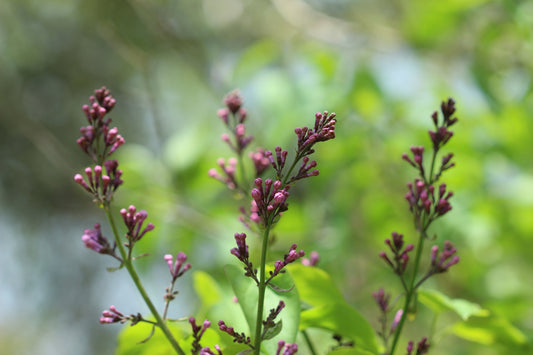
396	320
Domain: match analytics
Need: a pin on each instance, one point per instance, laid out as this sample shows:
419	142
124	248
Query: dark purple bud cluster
288	349
382	299
269	323
323	130
401	257
269	200
99	141
197	333
422	347
418	159
237	338
176	269
291	257
446	259
93	239
427	202
313	259
305	170
442	135
134	222
99	130
422	198
241	252
114	316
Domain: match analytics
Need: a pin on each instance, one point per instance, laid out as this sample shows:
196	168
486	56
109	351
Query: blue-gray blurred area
383	66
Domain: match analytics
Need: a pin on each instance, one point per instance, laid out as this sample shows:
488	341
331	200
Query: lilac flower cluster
240	338
313	259
93	239
99	141
422	347
197	333
133	221
401	256
241	253
288	258
447	258
114	316
269	201
234	116
427	203
288	349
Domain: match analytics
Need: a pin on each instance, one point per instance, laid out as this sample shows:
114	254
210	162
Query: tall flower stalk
269	201
99	141
427	202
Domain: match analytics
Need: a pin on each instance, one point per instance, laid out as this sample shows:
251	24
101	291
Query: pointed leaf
206	288
489	331
439	302
344	320
272	332
315	286
130	336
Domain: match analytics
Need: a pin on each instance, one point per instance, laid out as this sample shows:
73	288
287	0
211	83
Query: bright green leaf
158	344
206	288
439	302
489	331
272	332
344	320
315	286
246	291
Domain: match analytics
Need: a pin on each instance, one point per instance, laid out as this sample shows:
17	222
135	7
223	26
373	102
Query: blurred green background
382	66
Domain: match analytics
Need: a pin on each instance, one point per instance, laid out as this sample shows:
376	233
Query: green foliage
130	337
246	292
329	310
439	303
381	65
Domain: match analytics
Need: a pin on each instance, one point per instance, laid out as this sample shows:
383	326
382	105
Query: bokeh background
384	66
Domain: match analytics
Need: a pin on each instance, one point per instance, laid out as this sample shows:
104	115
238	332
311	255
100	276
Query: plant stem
135	277
262	288
410	292
308	342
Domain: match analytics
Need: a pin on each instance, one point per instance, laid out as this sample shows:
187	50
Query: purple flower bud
396	320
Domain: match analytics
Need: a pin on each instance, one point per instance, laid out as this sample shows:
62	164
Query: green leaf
129	338
490	330
272	332
207	289
439	302
247	292
315	286
344	320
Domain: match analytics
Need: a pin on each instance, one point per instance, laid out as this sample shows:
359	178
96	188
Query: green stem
262	288
135	277
308	342
410	292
